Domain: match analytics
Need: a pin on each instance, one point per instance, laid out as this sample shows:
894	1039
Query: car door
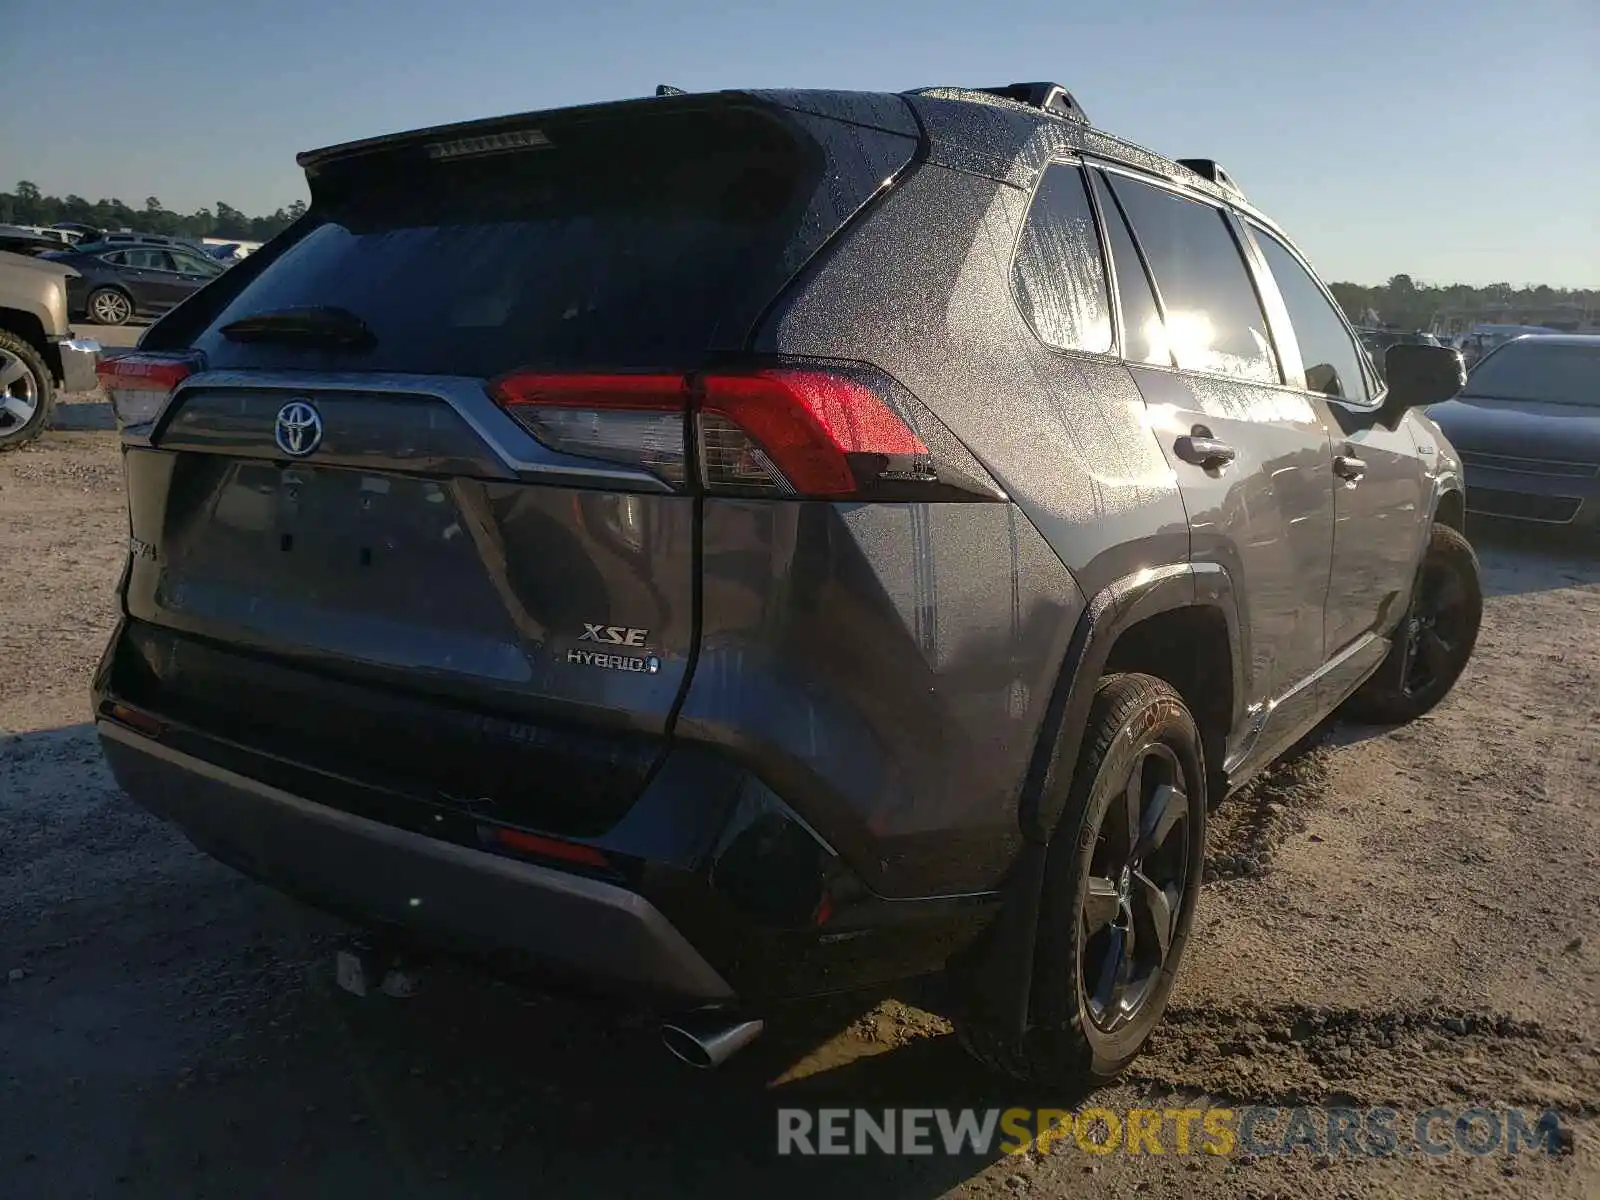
1381	495
136	271
165	282
1252	457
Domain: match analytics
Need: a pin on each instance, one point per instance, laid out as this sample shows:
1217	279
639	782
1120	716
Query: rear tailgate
343	523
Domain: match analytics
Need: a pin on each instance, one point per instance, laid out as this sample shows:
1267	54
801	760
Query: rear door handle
1204	451
1347	466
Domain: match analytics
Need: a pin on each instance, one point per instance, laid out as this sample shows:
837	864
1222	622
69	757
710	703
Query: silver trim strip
519	450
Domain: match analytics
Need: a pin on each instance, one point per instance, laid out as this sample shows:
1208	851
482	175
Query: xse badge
615	635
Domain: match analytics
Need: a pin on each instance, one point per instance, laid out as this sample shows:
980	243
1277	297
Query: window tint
615	248
1060	279
1143	337
1214	321
1327	351
116	258
194	264
1546	372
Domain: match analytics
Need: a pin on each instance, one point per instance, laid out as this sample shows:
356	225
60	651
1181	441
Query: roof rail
1209	168
1051	97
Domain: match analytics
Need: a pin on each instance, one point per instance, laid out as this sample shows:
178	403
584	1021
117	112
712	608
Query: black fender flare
1001	977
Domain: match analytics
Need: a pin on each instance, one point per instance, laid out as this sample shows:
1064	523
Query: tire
27	392
108	306
1138	727
1435	640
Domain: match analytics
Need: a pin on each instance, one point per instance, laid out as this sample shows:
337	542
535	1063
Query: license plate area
338	539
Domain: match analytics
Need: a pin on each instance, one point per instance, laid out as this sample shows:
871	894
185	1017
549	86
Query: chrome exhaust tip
706	1040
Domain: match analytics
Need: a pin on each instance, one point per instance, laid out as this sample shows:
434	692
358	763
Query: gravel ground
1398	917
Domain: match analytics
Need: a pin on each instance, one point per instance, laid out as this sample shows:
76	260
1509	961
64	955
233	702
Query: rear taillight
139	384
801	433
825	432
633	419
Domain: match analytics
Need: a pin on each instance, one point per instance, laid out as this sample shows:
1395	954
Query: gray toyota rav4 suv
736	547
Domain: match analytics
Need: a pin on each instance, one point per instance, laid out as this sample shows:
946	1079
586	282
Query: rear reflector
532	843
139	384
133	718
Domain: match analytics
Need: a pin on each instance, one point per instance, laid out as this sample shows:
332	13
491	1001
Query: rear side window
1327	350
1214	319
1144	339
618	245
1059	276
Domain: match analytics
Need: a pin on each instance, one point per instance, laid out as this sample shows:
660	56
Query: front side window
1058	273
194	264
1214	319
1328	353
116	258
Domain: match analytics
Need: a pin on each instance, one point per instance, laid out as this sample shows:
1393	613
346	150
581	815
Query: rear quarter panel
928	644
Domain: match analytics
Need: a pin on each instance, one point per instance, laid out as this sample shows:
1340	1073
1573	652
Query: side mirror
1419	376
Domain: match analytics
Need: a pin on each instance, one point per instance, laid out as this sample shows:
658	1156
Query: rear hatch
419	508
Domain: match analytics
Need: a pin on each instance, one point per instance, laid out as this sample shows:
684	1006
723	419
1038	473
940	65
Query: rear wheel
109	306
1121	883
27	392
1434	641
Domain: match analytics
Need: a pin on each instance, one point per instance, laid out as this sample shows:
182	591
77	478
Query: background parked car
38	354
1378	341
1527	426
116	283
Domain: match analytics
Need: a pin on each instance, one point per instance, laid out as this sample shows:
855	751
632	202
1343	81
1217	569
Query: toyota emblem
298	429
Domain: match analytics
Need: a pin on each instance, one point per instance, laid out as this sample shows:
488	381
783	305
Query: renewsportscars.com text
1257	1130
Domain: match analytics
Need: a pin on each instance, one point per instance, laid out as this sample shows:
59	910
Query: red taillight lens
832	432
794	432
633	419
139	384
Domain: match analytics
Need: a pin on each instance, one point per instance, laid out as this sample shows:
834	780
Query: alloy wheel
19	393
1137	877
110	308
1435	629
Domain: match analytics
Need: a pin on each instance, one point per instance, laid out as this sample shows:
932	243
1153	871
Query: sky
1455	142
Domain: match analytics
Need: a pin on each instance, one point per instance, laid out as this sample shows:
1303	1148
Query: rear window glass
1547	372
620	245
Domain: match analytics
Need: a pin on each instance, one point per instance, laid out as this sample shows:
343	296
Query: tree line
1402	301
28	206
1411	304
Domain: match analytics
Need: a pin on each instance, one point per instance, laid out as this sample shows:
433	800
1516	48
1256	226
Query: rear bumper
391	875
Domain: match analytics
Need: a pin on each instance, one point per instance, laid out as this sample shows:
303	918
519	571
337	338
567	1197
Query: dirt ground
1396	917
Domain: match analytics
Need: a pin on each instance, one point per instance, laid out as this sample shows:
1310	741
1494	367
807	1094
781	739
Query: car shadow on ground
175	1029
1519	557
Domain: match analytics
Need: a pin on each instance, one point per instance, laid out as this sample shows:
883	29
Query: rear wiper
311	325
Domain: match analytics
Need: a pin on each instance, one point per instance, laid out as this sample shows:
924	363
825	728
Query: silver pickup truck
38	354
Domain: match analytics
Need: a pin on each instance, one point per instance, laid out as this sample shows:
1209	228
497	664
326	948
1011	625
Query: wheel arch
1450	505
1141	613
